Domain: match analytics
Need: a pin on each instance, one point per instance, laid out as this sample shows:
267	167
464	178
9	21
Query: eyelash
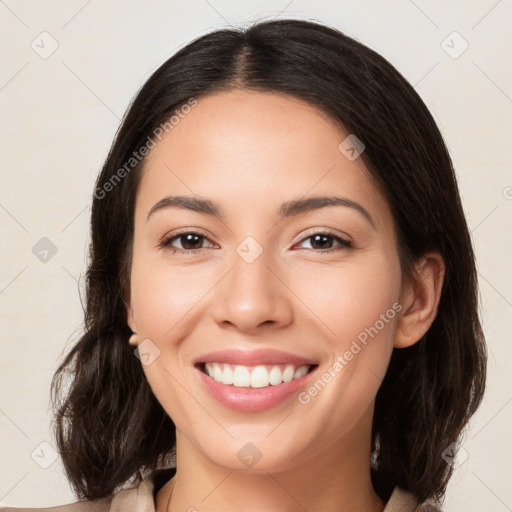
165	243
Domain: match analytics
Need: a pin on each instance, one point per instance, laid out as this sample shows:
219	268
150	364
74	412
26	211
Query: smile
260	376
247	398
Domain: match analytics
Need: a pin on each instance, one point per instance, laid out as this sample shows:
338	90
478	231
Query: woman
281	293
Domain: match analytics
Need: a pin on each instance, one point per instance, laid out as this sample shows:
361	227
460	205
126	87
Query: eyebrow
287	209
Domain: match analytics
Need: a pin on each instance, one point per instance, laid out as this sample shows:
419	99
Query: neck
336	478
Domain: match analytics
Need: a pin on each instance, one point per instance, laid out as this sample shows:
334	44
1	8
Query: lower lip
253	399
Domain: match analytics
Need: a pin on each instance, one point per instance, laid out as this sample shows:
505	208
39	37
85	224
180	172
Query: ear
420	300
130	320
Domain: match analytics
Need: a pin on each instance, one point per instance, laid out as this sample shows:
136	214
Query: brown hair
110	427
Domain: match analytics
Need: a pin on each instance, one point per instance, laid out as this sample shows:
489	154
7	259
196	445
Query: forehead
256	146
253	122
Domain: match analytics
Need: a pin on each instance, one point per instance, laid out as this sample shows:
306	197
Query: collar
143	497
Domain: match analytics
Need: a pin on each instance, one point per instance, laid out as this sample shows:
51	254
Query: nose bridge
251	294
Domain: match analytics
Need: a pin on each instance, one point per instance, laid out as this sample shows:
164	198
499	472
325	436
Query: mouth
256	376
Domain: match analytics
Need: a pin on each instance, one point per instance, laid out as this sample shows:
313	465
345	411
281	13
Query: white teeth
227	375
241	376
254	377
288	373
300	371
275	376
217	373
259	377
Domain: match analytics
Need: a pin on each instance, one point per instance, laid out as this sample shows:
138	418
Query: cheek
355	306
350	300
165	296
165	299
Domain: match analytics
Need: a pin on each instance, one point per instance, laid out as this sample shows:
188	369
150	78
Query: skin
250	152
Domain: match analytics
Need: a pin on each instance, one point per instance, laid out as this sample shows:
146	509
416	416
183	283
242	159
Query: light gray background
60	112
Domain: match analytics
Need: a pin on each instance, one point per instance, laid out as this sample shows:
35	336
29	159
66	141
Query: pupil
189	241
322	239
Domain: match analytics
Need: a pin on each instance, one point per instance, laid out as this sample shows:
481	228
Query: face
262	283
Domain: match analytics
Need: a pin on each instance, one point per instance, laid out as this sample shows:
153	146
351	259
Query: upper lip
253	357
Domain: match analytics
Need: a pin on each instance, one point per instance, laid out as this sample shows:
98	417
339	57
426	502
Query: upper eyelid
308	234
192	231
323	231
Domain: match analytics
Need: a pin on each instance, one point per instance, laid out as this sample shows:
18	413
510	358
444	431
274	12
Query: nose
253	296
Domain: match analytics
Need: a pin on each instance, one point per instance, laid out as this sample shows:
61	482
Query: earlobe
134	339
422	300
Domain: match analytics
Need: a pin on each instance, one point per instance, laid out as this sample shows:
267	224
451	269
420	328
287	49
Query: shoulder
428	507
140	498
403	501
100	505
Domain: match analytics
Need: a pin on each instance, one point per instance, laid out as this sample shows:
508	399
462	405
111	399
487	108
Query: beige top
142	498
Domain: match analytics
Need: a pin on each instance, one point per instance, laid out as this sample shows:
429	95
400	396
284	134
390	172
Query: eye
190	241
323	242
